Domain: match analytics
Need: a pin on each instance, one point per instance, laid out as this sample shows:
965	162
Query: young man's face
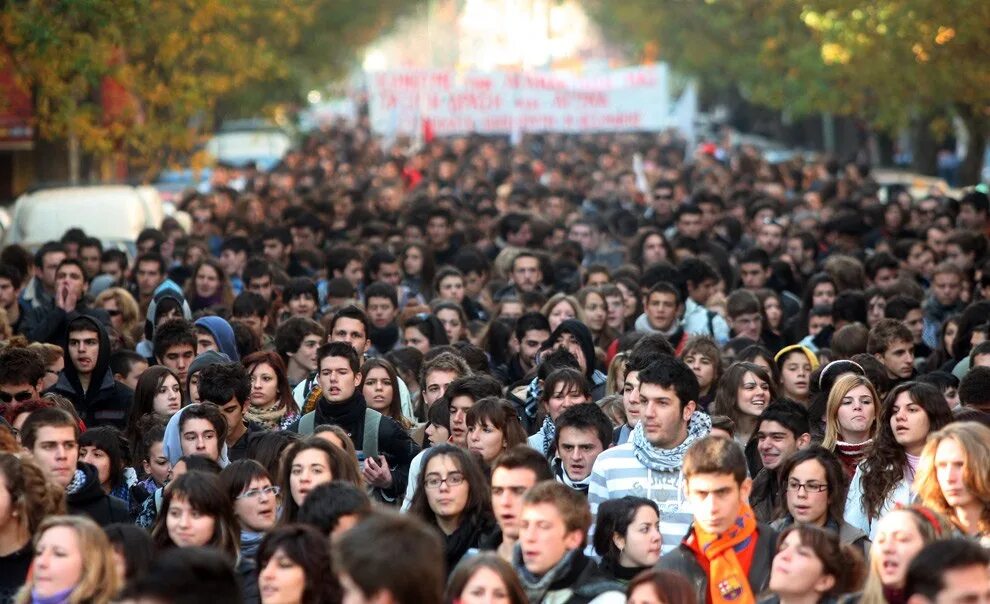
389	272
49	264
459	407
199	437
232	261
663	419
205	341
544	537
716	499
438	231
885	277
898	359
526	273
8	293
381	312
255	323
702	292
817	323
946	288
689	225
90	258
275	252
436	384
148	275
305	355
303	305
233	412
337	380
532	341
130	380
578	450
970	584
84	350
915	321
753	275
351	331
56	450
22	391
775	442
661	310
71	277
262	286
747	325
474	283
508	488
178	358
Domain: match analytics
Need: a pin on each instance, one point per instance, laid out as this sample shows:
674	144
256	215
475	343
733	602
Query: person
196	512
128	367
627	537
296	341
811	565
294	568
22	375
208	286
248	485
228	386
900	535
851	422
215	333
386	448
892	343
107	450
575	337
367	571
51	435
530	333
335	508
744	392
952	477
423	332
699	279
702	355
307	464
272	405
133	550
661	314
28	499
911	412
73	562
562	389
814	490
193	575
197	429
781	430
514	473
484	578
659	587
583	432
949	570
87	380
726	554
650	464
493	428
452	496
381	389
795	364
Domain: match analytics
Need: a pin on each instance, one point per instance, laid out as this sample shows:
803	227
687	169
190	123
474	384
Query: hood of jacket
222	333
202	361
172	441
168	289
68	380
582	334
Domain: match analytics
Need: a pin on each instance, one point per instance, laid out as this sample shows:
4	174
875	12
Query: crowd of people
603	368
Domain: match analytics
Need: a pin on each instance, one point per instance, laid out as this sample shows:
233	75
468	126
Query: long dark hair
204	494
614	518
668	586
342	467
883	466
272	359
109	440
235	478
834	475
145	392
728	388
843	562
310	550
478	508
395	405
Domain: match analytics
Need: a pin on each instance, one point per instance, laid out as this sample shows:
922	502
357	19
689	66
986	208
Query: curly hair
31	494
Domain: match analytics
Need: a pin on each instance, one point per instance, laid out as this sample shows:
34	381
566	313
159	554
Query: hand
65	299
376	472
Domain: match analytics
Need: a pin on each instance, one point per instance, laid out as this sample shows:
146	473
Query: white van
114	214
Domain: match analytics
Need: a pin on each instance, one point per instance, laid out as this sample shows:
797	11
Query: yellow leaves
944	35
920	54
835	54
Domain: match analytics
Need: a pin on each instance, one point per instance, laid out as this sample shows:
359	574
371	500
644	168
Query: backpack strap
307	424
372	421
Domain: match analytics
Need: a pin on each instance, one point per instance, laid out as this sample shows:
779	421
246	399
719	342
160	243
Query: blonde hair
840	389
974	439
562	297
99	582
618	366
129	312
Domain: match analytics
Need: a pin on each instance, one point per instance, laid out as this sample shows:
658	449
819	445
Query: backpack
372	421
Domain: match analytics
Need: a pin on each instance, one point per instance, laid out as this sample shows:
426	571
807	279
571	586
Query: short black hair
531	321
980	349
298	287
351	312
881	260
121	361
115	255
788	414
475	387
926	573
49	247
696	271
942	380
755	255
339	257
668	372
647	350
190	575
850	306
586	416
12	274
152	257
236	244
220	382
174	332
249	304
339	349
380	289
899	306
556	358
256	268
326	504
291	333
283	235
208	411
20	365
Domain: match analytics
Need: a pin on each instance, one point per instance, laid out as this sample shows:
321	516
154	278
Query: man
892	343
349	325
980	355
149	274
87	380
259	279
754	269
215	333
726	554
11	281
548	557
882	270
525	275
51	435
39	293
440	235
662	309
945	299
587	233
48	324
583	432
530	333
90	253
372	574
974	208
802	248
127	367
908	311
296	341
698	279
649	465
22	375
782	429
233	256
113	262
175	346
745	314
382	304
438	373
197	429
228	386
515	472
949	571
277	247
384	446
974	389
346	262
251	310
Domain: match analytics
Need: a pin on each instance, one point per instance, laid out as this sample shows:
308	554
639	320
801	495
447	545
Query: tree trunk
924	146
978	128
74	159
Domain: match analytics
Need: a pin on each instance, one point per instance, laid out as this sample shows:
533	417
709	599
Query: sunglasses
115	313
23	395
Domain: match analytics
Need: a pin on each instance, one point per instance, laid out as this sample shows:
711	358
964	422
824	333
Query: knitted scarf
727	580
549	432
78	482
537	587
669	460
850	455
269	417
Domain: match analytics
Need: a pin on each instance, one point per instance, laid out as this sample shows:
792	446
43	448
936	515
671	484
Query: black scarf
385	338
348	414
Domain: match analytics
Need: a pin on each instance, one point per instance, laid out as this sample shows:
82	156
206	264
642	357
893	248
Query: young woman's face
413	337
653	250
437	434
58	561
302	305
255	506
564	396
949	337
207	281
413	263
897	542
615	317
629	301
485	587
773	311
447	501
807	501
378	389
485	440
823	295
99	459
910	423
796	569
452	288
595	312
310	468
640	546
452	324
702	367
795	375
561	312
856	414
282	580
168	399
753	395
157	465
264	386
875	310
188	527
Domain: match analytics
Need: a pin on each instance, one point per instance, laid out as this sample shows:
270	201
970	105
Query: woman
125	316
660	587
423	332
453	319
702	355
492	428
911	412
615	305
649	248
876	305
158	393
26	498
946	338
272	404
632	305
417	268
851	420
563	388
105	449
483	579
54	359
795	364
155	466
270	449
743	393
561	307
819	291
452	495
449	285
309	463
294	568
249	486
811	565
627	537
380	387
196	512
437	431
954	477
208	286
760	355
814	490
595	309
73	562
900	535
133	550
773	319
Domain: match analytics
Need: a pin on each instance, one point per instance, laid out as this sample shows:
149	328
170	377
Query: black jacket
240	448
393	442
765	495
584	580
91	500
105	402
682	561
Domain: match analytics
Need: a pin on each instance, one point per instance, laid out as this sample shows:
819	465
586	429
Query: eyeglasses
812	486
270	490
23	395
453	479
